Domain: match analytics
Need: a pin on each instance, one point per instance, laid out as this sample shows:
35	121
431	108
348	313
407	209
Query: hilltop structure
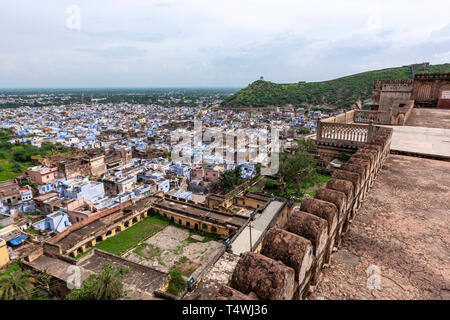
430	90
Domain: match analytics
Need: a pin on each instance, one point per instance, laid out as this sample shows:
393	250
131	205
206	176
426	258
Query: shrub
344	157
176	282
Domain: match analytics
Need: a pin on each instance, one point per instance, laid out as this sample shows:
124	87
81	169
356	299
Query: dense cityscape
118	183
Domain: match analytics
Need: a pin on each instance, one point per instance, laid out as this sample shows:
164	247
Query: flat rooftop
429	118
402	229
422	141
201	212
80	234
140	282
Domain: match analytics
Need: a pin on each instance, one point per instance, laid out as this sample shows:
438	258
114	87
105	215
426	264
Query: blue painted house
57	221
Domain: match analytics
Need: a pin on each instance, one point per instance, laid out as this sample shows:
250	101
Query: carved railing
352	135
346	117
377	117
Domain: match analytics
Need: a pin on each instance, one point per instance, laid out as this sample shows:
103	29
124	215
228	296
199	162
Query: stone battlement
291	258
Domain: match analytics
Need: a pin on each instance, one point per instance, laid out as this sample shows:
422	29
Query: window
204	227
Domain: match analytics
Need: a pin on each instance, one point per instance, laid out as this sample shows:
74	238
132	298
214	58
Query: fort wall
313	231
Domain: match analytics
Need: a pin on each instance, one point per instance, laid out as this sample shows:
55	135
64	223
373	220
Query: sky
228	43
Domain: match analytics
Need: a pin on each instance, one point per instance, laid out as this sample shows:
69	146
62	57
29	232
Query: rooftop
427	133
140	282
429	118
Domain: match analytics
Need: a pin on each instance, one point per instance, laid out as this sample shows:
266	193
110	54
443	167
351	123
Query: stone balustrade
343	134
376	117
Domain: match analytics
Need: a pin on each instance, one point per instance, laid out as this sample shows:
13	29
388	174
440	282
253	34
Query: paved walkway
427	141
242	243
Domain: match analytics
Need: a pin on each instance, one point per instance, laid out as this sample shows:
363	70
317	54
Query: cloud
117	52
162	5
128	36
207	43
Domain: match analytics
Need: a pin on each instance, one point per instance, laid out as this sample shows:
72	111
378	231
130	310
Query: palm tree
104	286
18	285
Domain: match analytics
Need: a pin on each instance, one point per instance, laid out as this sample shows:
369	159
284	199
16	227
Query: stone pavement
420	140
398	245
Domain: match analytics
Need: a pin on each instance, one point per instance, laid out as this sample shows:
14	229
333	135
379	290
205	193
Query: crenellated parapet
290	261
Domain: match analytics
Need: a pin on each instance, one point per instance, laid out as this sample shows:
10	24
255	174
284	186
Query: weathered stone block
356	168
349	176
344	186
311	227
361	162
333	196
267	278
322	209
294	251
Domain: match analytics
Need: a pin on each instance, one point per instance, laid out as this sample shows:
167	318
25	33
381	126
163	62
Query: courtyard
175	247
158	243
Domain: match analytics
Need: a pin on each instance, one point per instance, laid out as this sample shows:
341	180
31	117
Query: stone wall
291	259
428	88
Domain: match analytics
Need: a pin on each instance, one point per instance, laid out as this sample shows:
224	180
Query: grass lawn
11	269
15	158
319	181
132	236
206	236
32	231
309	188
147	251
176	282
6	171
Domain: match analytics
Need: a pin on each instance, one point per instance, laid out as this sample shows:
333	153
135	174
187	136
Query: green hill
341	92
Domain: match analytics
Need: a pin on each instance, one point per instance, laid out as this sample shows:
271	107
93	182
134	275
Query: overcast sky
147	43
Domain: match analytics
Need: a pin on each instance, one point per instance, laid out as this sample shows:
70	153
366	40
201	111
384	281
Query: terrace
350	129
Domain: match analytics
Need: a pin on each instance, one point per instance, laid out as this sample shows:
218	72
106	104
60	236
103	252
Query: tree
16	167
21	156
230	179
43	280
30	183
298	168
344	157
303	131
17	285
104	286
